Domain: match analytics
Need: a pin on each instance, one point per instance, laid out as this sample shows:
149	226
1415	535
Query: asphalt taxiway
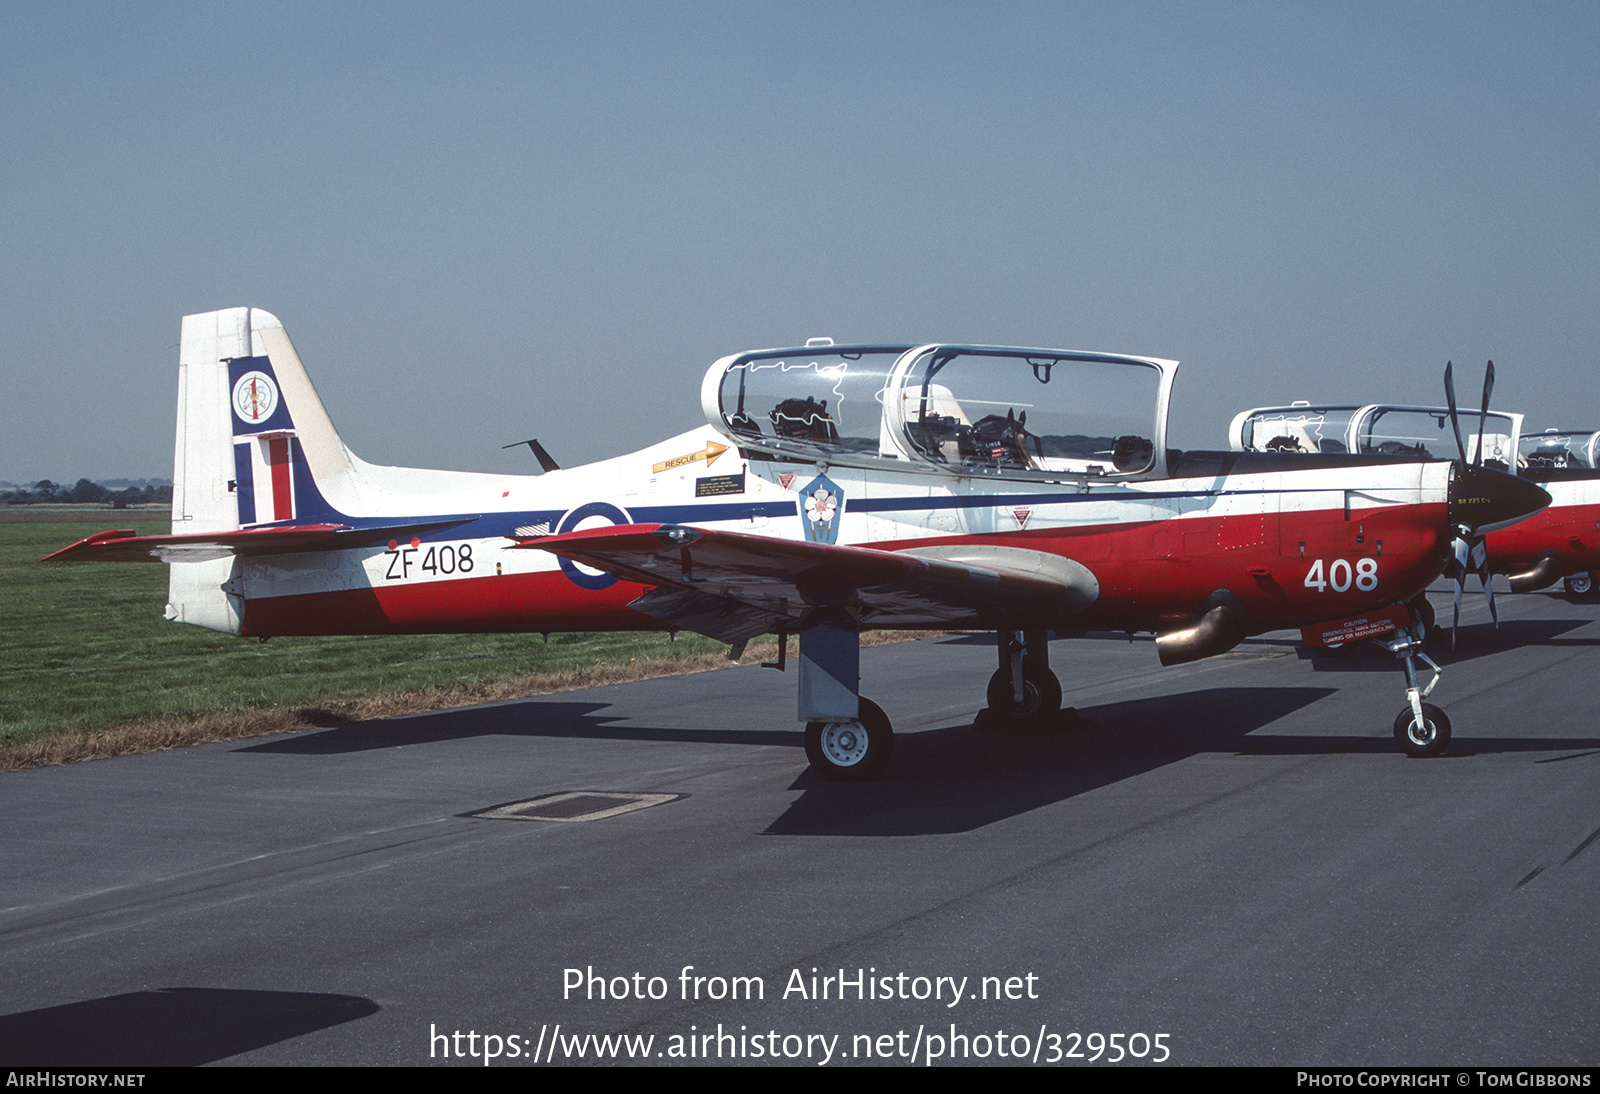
1229	861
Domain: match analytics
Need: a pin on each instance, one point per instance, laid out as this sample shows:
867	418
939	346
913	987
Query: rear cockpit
963	410
1298	428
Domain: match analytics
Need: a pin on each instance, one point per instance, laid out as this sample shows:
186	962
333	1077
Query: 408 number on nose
1363	574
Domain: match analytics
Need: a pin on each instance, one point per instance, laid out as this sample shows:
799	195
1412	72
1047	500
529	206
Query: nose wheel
851	750
1424	735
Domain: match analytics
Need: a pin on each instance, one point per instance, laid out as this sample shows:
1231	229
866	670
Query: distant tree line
45	492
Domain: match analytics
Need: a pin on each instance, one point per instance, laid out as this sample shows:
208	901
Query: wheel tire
1430	740
852	751
1041	696
1580	586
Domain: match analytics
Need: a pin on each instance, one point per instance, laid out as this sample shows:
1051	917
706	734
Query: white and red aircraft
1562	542
834	489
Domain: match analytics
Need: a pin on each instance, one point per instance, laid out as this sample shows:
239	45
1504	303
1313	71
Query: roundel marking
255	397
583	576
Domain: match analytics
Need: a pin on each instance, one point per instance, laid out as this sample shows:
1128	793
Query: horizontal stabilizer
732	584
122	545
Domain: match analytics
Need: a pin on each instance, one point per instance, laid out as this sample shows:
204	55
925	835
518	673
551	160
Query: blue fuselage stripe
487	525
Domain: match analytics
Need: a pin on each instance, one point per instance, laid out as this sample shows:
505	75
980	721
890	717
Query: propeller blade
1455	420
1462	548
1480	566
1471	556
1483	415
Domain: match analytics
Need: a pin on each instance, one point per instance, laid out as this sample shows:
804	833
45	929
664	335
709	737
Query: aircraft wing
733	585
122	545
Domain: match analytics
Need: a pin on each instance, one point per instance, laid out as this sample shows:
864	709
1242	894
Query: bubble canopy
1562	450
963	410
1415	431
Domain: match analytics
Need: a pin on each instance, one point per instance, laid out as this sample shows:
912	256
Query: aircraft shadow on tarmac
954	778
530	718
556	718
959	778
169	1027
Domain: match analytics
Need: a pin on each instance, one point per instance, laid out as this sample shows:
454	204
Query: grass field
88	667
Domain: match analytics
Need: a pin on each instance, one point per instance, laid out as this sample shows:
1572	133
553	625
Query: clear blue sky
484	222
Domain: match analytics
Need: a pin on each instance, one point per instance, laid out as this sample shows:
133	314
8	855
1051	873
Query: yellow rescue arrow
712	451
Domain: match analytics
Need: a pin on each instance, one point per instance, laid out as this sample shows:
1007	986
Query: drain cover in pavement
576	805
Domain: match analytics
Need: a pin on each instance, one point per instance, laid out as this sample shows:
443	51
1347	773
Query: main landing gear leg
1023	690
1421	729
848	738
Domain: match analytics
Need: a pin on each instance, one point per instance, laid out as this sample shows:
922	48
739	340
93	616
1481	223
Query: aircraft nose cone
1484	499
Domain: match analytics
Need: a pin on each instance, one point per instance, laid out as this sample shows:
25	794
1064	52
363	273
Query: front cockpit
963	410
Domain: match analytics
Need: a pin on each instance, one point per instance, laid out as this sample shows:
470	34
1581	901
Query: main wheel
1041	695
851	750
1429	738
1580	586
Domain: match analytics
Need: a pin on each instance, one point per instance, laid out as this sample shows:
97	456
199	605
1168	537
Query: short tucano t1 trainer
834	489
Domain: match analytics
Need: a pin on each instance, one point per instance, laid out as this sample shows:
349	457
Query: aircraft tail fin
254	440
254	445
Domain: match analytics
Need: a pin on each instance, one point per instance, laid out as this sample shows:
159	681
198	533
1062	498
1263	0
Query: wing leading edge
733	585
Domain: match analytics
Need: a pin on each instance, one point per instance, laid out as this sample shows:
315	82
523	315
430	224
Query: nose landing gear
1420	729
